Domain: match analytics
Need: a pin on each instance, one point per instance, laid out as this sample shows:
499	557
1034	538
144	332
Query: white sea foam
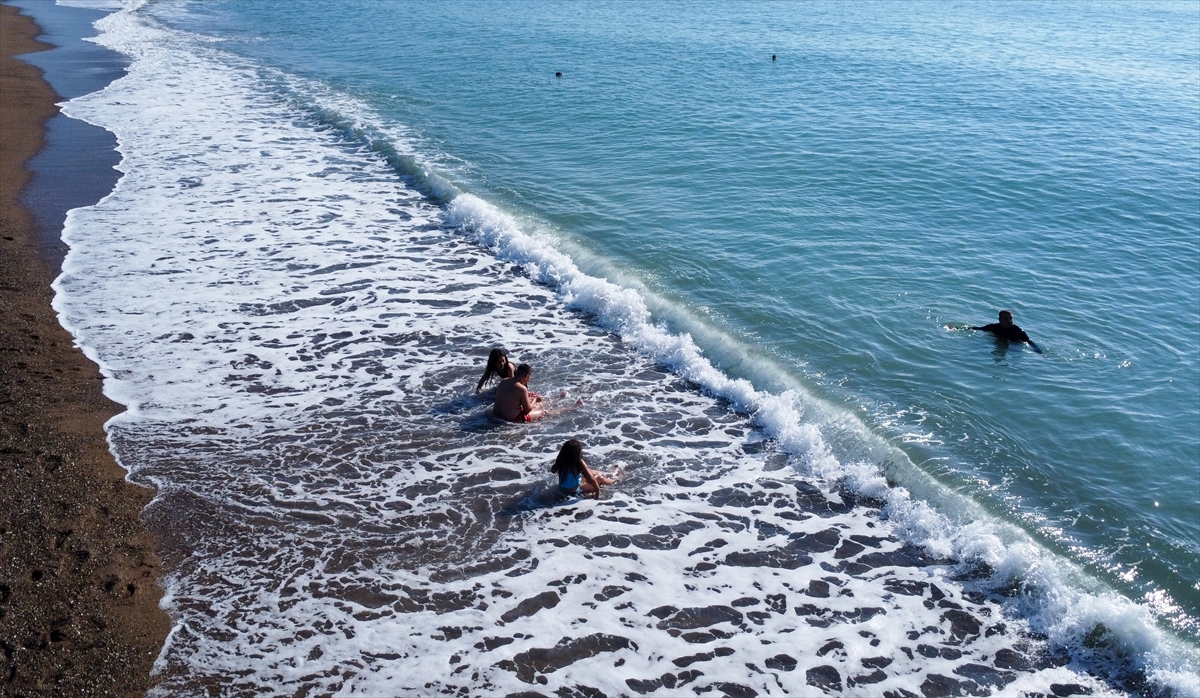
291	328
1067	605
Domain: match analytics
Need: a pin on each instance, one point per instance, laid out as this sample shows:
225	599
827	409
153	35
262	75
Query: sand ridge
78	572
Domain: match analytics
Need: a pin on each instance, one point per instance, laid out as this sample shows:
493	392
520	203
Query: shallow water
298	330
826	214
74	167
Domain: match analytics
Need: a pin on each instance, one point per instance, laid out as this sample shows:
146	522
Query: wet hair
523	370
1004	312
569	460
495	360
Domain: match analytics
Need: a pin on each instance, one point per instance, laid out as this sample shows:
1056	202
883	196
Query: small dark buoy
772	56
558	74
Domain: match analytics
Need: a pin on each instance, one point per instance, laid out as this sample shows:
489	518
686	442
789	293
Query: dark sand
78	594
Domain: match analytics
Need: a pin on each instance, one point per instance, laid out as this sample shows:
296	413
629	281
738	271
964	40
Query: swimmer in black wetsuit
1005	329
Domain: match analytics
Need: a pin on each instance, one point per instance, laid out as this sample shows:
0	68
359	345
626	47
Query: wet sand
78	576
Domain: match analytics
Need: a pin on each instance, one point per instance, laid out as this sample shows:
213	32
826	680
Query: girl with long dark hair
574	474
497	365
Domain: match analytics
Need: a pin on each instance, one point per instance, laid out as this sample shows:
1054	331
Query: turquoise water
817	220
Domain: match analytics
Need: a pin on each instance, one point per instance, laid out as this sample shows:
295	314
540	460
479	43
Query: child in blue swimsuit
574	475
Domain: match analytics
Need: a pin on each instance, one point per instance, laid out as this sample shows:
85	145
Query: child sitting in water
574	474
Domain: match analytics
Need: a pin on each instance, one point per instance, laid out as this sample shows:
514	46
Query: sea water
738	233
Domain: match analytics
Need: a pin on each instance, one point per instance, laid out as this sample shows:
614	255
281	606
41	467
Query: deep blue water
817	220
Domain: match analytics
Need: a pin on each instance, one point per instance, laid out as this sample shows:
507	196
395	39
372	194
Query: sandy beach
78	579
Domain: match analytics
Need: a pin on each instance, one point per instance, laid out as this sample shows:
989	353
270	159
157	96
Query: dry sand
79	596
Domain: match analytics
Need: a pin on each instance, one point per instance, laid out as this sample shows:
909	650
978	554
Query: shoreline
76	166
79	598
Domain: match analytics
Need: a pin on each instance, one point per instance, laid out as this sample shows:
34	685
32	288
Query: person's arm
591	479
1025	338
526	408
